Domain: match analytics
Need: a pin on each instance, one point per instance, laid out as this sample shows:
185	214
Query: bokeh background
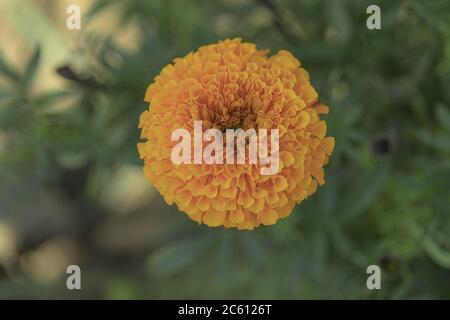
72	189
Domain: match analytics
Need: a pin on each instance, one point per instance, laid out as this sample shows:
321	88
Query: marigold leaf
443	115
436	253
174	257
7	70
31	69
364	193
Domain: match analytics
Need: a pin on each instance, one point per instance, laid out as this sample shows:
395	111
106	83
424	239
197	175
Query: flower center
238	118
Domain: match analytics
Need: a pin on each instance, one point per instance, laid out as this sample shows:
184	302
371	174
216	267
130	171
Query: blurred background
72	190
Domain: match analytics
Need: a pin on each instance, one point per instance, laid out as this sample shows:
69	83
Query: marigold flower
231	84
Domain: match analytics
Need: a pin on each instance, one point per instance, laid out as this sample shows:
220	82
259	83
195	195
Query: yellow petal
280	183
245	199
327	144
214	218
269	217
203	203
237	216
211	191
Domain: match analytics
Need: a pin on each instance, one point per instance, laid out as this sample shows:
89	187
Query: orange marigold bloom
227	85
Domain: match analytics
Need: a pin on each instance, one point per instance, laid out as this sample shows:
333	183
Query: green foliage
387	191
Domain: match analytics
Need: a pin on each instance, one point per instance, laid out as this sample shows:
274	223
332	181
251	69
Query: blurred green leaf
174	257
8	70
31	68
97	7
48	98
443	115
438	140
364	191
436	253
